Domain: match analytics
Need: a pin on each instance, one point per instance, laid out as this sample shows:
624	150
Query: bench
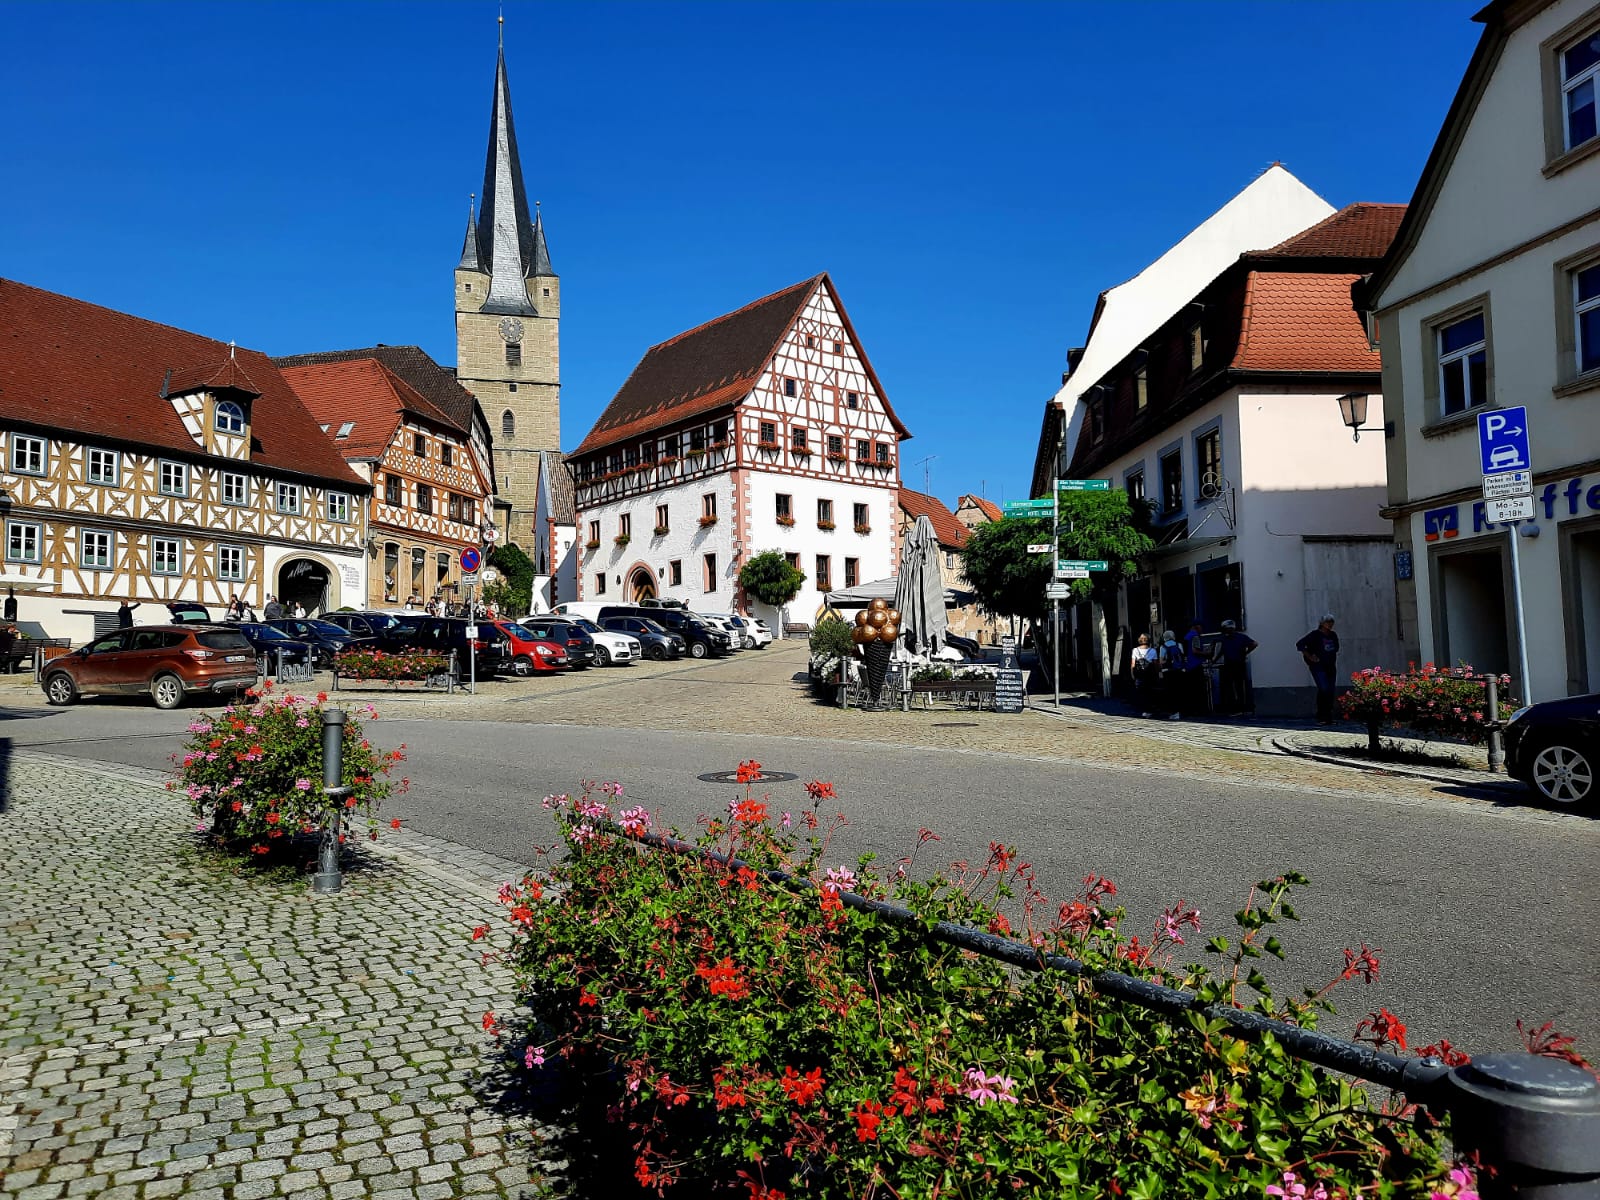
34	651
799	627
960	690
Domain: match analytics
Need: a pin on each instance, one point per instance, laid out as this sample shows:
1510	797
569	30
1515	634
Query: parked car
699	638
269	642
167	661
571	610
657	643
725	625
326	639
531	654
610	648
185	613
388	633
757	632
1554	748
580	646
485	654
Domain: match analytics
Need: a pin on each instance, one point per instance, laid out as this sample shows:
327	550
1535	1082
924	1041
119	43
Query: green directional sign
1083	485
1082	564
1029	508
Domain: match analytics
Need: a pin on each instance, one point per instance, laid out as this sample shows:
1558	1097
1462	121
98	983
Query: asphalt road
1483	915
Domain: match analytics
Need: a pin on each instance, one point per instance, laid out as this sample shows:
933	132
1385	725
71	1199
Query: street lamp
1353	411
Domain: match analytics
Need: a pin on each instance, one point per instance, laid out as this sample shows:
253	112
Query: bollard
328	877
1497	741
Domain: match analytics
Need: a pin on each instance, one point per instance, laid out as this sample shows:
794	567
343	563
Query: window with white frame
1580	77
174	479
22	541
230	563
166	556
235	488
1463	364
28	454
230	418
94	549
1586	314
289	498
339	507
105	467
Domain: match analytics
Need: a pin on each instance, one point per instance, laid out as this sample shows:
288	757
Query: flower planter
661	531
707	521
863	528
592	544
620	540
827	525
786	522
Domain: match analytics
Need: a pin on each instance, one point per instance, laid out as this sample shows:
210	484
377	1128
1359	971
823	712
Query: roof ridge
736	312
128	316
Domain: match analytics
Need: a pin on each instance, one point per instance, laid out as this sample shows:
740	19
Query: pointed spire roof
541	252
469	246
505	230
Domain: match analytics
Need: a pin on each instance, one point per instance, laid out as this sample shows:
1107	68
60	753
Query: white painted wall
687	542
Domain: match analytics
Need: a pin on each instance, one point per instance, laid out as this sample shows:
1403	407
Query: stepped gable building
764	429
508	318
429	491
144	462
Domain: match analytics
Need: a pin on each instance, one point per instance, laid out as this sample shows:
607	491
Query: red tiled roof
227	375
412	364
987	507
366	393
951	532
1301	322
94	372
710	367
1355	231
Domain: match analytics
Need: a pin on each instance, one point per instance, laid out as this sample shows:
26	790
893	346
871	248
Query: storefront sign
1552	502
1509	508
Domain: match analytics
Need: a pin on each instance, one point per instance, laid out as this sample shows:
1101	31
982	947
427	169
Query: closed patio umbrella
919	594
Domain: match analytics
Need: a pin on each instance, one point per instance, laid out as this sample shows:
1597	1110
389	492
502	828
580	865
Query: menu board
1009	696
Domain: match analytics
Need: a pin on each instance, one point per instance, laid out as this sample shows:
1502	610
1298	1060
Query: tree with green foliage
1104	525
770	578
1008	581
512	593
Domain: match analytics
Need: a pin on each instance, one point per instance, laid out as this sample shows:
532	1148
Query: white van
583	608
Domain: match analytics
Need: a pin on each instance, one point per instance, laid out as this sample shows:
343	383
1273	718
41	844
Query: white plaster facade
1504	222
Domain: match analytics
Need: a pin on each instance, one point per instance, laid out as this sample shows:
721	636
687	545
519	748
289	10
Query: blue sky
295	176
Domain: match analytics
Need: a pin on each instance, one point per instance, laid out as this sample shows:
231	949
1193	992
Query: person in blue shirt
1234	647
1195	657
1320	649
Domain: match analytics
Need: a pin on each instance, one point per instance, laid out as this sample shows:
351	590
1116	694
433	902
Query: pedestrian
235	609
11	604
1235	647
1320	649
1195	658
1143	666
411	602
1174	683
273	610
125	615
299	610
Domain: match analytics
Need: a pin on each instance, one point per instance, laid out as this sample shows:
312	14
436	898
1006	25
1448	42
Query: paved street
1481	905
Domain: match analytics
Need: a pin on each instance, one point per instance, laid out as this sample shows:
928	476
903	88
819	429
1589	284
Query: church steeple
469	247
505	230
541	252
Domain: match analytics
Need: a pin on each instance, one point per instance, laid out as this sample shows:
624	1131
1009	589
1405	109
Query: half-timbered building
764	429
143	462
429	491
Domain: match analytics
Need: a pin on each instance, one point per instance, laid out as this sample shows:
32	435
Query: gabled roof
366	395
986	506
951	533
713	366
411	363
225	376
505	231
1355	231
1301	322
90	371
560	491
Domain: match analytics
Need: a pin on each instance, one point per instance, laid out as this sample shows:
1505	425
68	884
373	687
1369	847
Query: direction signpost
1083	485
1507	465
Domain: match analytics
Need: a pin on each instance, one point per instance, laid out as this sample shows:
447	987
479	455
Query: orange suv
168	661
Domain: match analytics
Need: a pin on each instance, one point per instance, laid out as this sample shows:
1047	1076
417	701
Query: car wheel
522	665
1563	774
60	690
166	691
658	653
697	649
602	657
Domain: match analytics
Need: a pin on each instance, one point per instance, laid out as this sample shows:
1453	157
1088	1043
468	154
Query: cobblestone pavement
170	1028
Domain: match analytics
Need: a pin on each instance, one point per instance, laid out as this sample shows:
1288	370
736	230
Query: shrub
1448	702
831	639
254	772
375	664
739	1027
770	578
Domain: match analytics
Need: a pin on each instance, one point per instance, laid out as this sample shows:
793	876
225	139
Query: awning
864	594
1183	546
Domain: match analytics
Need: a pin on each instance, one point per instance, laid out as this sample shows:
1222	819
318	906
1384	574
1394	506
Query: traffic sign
1040	548
471	559
1029	508
469	579
1082	564
490	574
1083	485
1511	508
1072	573
1503	440
1511	483
1057	591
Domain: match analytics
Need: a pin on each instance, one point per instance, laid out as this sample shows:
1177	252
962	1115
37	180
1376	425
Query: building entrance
1583	559
303	581
1470	626
642	586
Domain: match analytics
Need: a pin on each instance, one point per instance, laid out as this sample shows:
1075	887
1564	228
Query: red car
530	654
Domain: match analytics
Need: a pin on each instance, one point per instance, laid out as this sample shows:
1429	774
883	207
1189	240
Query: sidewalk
168	1028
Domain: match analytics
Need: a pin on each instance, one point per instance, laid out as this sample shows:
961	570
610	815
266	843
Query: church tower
508	319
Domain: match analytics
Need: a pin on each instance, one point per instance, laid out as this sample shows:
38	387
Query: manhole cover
955	724
733	777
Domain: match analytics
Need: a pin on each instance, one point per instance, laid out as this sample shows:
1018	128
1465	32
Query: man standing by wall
125	615
1320	649
1235	647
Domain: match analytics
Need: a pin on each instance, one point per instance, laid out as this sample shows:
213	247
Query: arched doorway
642	585
304	581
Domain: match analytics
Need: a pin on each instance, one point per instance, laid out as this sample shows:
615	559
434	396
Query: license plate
237	658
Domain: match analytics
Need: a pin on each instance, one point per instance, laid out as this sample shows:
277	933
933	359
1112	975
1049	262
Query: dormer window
229	418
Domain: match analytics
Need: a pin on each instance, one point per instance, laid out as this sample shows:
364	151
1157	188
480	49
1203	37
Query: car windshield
652	627
585	623
222	639
382	622
268	634
327	628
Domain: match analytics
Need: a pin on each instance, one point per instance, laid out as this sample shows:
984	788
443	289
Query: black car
580	646
389	633
326	639
490	649
1554	748
655	641
698	637
186	613
274	647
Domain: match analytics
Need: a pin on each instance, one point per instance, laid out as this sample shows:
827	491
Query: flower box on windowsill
709	520
786	522
800	452
621	539
863	528
828	525
667	460
719	445
837	458
769	447
661	531
881	466
592	544
695	455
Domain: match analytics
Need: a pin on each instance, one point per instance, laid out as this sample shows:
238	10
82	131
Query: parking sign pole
1525	685
1055	601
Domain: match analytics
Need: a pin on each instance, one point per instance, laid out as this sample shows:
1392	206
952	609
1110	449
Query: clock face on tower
510	329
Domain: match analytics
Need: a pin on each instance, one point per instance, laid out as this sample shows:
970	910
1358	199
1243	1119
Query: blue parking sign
1503	440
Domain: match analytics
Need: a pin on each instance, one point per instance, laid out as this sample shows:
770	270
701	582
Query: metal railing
1533	1121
